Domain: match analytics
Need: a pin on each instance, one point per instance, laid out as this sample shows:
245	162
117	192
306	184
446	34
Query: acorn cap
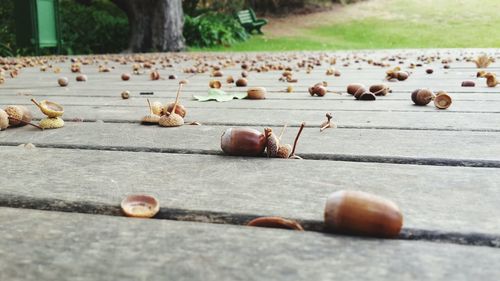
151	119
51	109
367	96
442	100
275	222
51	123
172	120
4	120
284	151
140	206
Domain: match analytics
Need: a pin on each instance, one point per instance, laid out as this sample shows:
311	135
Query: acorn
4	120
63	81
180	109
276	222
215	84
491	79
380	89
422	96
81	78
402	75
217	73
241	82
172	77
18	115
243	142
51	123
360	213
51	109
256	93
442	100
230	79
140	206
157	108
154	75
125	76
125	95
173	119
318	89
468	83
356	88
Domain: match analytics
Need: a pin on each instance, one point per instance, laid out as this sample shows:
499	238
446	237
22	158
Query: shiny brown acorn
422	96
256	93
360	213
356	88
380	89
276	222
243	142
318	90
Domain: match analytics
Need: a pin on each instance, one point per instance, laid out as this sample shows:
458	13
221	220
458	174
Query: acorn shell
4	120
243	142
172	120
140	206
442	100
151	119
422	96
51	109
360	213
256	93
51	123
276	222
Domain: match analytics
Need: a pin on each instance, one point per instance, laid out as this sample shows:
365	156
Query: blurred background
115	26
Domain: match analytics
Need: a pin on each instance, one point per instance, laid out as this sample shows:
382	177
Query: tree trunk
154	24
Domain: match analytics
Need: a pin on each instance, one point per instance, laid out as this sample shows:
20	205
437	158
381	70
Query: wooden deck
59	202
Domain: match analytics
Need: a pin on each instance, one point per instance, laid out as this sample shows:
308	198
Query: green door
47	30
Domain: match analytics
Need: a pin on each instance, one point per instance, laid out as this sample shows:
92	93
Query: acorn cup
151	119
51	109
51	123
442	100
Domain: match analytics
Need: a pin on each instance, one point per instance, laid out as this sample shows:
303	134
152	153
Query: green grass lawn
392	24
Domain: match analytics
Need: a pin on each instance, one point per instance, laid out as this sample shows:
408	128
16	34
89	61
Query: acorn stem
302	125
177	97
150	108
27	123
36	103
325	127
282	131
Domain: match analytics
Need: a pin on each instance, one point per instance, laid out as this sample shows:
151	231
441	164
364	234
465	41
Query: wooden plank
454	199
408	146
437	120
107	248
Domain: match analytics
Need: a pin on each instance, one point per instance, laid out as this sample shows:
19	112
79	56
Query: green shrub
211	29
98	28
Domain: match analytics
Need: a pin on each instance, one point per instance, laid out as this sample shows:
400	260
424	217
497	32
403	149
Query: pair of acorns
360	92
170	115
18	115
424	96
251	142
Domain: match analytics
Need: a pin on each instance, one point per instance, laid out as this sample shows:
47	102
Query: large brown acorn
243	142
422	96
360	213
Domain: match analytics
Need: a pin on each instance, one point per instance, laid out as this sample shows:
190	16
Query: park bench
249	21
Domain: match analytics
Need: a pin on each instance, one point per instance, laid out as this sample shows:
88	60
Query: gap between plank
306	156
165	213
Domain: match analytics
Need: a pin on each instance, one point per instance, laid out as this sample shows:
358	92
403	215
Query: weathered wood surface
388	147
39	245
294	189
